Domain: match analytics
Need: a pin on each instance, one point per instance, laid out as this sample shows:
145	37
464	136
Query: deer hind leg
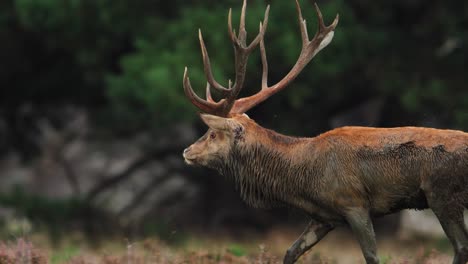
450	215
455	229
311	236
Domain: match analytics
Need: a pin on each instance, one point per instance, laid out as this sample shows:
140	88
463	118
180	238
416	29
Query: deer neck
270	170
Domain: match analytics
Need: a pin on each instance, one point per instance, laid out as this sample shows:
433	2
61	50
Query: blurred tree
407	53
126	59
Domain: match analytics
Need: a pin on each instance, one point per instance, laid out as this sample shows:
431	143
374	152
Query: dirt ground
341	247
338	247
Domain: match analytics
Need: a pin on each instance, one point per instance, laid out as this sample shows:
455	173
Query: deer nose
186	150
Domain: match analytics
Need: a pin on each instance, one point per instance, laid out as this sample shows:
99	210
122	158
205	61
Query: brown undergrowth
22	252
154	251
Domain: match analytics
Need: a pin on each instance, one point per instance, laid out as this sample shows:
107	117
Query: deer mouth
189	161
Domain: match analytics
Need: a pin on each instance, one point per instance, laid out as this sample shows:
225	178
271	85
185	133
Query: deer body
377	171
384	170
345	176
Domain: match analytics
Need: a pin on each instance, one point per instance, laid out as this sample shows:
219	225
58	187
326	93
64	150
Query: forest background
93	118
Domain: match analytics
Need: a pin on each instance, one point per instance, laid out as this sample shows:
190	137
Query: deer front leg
312	235
361	225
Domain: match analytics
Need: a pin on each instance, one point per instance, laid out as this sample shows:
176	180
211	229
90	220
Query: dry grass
21	252
339	248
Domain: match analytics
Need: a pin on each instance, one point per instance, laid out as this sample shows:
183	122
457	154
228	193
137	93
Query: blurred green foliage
165	231
237	250
55	216
64	255
125	58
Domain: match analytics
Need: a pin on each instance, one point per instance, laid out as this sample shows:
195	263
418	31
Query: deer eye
212	135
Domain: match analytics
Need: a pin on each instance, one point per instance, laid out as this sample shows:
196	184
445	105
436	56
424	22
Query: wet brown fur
382	170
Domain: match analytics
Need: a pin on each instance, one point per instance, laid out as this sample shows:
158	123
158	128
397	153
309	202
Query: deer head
228	125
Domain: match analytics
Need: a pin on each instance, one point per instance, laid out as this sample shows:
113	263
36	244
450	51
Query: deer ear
219	123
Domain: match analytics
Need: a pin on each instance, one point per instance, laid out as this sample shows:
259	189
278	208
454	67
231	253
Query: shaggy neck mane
265	171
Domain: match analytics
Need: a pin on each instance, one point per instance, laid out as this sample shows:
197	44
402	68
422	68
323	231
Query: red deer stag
345	176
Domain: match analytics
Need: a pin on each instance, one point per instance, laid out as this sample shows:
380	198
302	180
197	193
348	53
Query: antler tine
207	106
310	48
324	34
242	37
264	63
302	25
322	26
207	66
208	93
232	33
242	51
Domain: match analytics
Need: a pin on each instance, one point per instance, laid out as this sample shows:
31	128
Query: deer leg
449	211
361	225
312	235
457	234
451	219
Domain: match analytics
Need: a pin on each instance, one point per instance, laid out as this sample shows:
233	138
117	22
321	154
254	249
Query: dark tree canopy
124	59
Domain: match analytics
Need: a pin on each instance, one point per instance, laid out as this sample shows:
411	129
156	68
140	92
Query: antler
229	104
241	55
310	48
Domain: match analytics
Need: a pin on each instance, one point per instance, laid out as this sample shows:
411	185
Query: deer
344	177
